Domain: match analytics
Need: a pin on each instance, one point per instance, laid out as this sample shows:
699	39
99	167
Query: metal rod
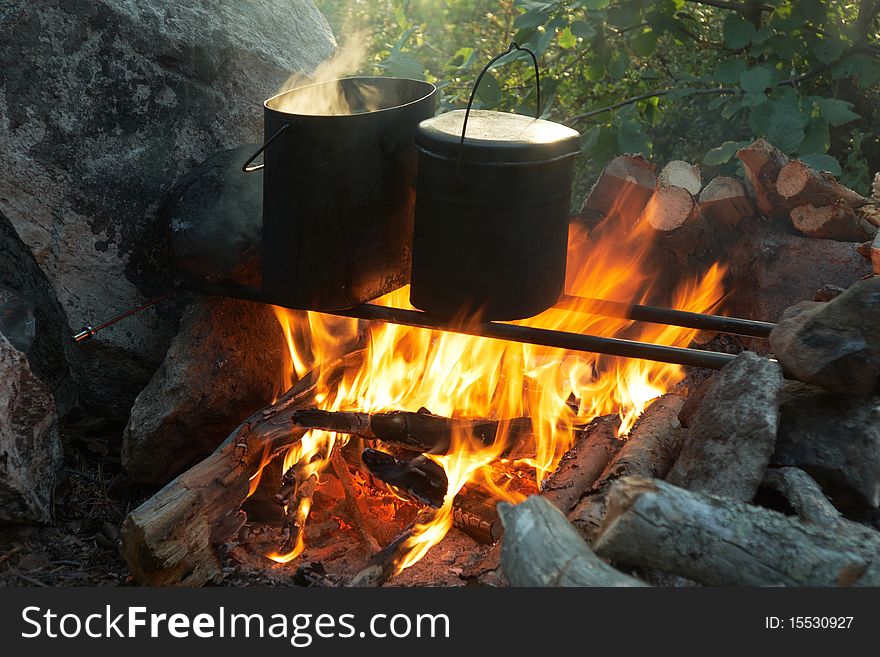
501	331
652	314
89	331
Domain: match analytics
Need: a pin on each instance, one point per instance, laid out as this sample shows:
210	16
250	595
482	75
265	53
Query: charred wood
804	496
355	515
420	478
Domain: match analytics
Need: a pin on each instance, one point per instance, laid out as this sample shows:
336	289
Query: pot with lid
492	208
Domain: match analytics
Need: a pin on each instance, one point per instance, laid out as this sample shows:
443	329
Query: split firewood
420	432
762	163
718	541
420	478
732	436
832	222
670	208
172	538
725	203
582	465
681	174
355	515
800	184
541	548
475	512
875	254
622	191
804	495
650	450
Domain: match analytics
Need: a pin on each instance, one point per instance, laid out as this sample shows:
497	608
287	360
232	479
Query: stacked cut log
813	201
621	192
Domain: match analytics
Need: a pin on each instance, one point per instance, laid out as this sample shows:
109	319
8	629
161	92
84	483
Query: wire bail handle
513	46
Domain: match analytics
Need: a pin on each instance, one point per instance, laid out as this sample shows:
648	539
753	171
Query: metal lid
499	137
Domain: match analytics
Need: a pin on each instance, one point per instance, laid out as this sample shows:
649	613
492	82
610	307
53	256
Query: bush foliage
689	79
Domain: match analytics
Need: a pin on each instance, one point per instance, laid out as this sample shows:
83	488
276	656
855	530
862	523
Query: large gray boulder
835	344
30	449
103	105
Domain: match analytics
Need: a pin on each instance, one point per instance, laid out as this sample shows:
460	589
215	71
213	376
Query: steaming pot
492	211
339	192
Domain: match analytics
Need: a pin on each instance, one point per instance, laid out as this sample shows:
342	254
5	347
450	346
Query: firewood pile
764	473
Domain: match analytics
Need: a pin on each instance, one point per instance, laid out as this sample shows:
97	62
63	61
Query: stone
225	364
835	344
215	214
103	105
771	269
732	436
52	348
834	438
30	447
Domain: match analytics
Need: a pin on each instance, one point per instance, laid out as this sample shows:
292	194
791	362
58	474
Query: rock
836	344
51	348
835	439
103	105
30	448
224	364
771	269
215	214
732	435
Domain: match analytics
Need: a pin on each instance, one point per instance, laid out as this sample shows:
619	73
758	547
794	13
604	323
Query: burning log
732	436
297	503
384	563
725	204
724	542
681	174
475	512
800	184
420	478
582	465
833	222
763	162
420	432
650	450
541	548
171	539
622	191
802	492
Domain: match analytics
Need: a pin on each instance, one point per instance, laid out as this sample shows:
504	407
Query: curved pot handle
247	167
513	46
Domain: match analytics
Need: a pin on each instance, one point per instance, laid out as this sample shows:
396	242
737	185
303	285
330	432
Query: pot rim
431	90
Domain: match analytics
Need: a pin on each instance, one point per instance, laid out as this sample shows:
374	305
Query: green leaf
828	50
662	23
818	137
785	136
786	111
631	139
530	19
489	90
760	118
644	43
729	71
403	65
822	162
593	4
583	30
566	39
836	112
753	100
755	80
619	64
764	33
605	147
737	31
721	154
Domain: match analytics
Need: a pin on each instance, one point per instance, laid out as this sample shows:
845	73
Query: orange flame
464	376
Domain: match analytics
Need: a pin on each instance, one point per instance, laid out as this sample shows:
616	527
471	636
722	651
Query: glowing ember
463	376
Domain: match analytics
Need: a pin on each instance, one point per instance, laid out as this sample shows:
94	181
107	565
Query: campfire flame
463	376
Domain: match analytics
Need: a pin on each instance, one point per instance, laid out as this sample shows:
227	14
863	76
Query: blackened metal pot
492	211
339	190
